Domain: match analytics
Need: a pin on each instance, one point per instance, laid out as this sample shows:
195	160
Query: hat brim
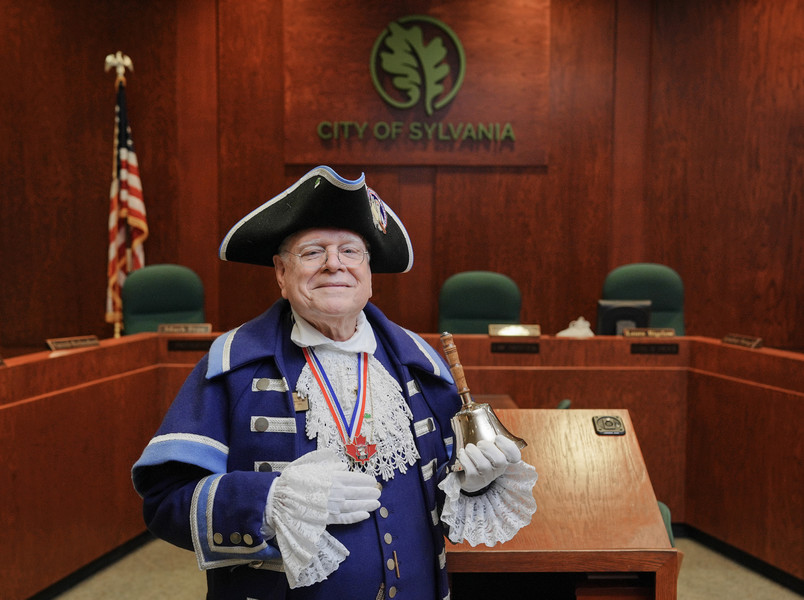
321	199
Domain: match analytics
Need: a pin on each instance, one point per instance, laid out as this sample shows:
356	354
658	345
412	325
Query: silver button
392	591
235	538
261	424
265	467
248	540
262	384
217	538
384	512
390	564
388	538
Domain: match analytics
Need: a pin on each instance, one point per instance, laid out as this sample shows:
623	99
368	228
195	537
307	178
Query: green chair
650	281
157	294
469	301
668	522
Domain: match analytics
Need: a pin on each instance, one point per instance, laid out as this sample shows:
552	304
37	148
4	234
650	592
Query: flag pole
120	62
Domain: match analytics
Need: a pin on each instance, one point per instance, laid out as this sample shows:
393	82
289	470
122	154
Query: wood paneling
744	444
722	167
251	143
725	163
327	87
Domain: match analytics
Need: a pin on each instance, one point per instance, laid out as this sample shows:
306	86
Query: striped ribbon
348	431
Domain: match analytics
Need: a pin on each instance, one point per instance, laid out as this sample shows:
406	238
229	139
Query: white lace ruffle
387	420
493	517
298	517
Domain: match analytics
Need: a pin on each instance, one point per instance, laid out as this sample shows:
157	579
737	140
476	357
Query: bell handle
455	367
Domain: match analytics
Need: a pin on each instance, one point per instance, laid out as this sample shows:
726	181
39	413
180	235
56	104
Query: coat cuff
493	517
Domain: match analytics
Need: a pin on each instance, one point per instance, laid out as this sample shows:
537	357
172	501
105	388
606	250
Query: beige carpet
159	570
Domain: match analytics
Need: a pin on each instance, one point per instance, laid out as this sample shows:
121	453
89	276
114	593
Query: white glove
485	462
352	496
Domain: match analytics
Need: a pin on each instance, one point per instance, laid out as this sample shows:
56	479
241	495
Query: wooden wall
675	136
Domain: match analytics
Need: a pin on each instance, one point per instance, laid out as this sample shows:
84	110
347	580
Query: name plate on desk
515	338
514	330
743	340
189	345
507	346
654	348
185	328
68	343
649	332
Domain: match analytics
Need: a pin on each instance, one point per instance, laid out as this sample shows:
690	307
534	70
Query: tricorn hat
321	199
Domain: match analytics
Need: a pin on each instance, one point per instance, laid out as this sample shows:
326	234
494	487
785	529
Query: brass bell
475	421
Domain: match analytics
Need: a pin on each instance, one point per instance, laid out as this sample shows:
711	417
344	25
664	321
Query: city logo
417	61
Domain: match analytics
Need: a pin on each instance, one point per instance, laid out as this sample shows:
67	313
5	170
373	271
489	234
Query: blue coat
205	475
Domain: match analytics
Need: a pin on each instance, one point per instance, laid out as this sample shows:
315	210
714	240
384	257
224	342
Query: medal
355	443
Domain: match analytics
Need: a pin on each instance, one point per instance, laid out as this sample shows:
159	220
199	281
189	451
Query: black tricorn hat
321	199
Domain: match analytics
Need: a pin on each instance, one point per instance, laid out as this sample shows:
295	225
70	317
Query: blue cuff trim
209	553
192	449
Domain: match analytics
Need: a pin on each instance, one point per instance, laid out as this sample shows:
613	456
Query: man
304	456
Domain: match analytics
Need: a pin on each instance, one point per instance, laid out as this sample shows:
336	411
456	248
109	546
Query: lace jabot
387	416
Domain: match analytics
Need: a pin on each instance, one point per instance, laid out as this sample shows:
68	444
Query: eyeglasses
349	256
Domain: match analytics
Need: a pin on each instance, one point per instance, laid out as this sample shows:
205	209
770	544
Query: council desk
718	426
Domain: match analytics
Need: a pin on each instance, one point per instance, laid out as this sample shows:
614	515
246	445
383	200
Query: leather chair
469	301
164	293
650	281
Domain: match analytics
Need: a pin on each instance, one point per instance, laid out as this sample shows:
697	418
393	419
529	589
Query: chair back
157	294
650	281
469	301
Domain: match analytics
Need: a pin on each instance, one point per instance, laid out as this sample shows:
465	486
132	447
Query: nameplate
68	343
515	347
185	328
745	341
655	348
188	345
649	332
514	330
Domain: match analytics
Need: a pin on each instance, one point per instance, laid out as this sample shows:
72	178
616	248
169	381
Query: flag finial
120	62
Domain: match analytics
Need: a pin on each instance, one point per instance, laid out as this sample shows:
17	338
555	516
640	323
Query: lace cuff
495	516
296	513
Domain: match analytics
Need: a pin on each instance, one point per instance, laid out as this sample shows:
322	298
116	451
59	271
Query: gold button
390	564
248	540
388	538
261	424
217	538
392	591
235	538
384	512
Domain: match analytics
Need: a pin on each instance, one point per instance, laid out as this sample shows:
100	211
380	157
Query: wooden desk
597	512
719	427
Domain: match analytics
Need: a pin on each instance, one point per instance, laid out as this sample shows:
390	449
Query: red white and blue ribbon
353	440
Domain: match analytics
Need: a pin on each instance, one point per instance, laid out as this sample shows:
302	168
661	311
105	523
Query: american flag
128	228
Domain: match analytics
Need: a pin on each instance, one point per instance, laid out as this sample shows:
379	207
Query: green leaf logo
409	67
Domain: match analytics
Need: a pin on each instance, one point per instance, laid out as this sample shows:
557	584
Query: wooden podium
597	515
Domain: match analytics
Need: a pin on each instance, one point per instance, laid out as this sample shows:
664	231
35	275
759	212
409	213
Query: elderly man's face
324	292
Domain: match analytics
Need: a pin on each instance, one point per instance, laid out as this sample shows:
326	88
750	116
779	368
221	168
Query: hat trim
404	235
325	171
